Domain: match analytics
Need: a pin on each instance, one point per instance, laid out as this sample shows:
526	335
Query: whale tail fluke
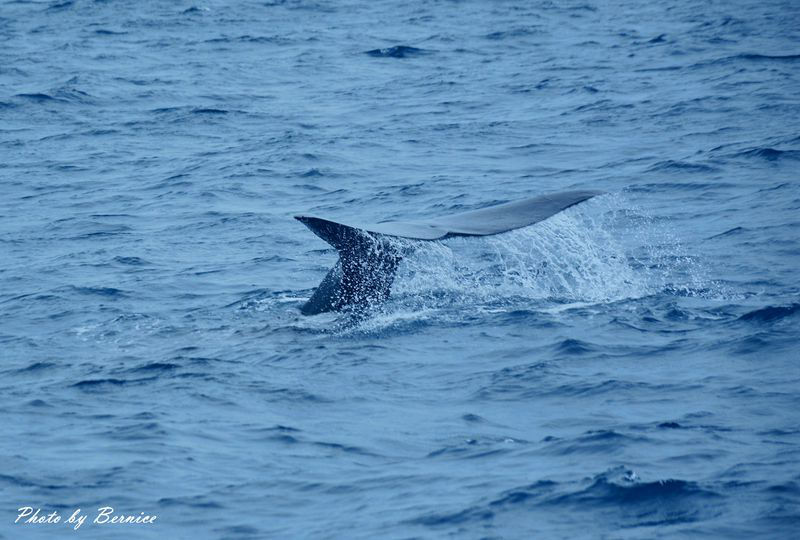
369	255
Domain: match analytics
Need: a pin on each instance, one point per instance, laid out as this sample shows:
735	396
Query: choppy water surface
626	369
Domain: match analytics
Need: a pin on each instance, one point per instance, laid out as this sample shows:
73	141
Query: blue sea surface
629	368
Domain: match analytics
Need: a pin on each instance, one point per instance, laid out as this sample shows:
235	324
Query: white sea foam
595	252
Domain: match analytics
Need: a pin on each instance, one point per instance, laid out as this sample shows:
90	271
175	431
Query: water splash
596	252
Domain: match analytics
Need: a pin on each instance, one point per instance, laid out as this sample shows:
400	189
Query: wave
141	431
65	94
469	448
190	501
515	33
60	5
766	57
618	494
398	51
730	232
746	57
771	313
97	383
181	113
131	261
155	367
194	9
35	367
39	97
641	504
769	154
680	166
604	441
109	292
208	110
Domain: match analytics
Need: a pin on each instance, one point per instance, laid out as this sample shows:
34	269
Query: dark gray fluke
368	258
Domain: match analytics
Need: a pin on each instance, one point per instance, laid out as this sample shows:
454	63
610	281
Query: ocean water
626	369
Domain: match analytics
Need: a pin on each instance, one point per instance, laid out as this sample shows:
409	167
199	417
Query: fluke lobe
368	256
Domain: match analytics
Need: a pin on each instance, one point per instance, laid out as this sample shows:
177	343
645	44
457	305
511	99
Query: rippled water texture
626	369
